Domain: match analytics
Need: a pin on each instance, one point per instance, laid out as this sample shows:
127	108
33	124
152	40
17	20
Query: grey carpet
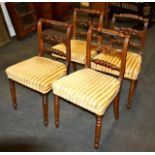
23	130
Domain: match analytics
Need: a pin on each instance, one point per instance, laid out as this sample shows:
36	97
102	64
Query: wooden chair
136	44
80	28
38	73
90	89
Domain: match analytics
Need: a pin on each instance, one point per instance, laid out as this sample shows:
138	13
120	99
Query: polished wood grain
56	110
54	51
98	131
116	106
131	92
106	64
45	109
50	38
141	34
86	23
13	93
89	11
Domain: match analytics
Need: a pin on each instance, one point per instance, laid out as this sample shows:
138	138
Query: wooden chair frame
87	24
141	34
43	50
140	48
121	69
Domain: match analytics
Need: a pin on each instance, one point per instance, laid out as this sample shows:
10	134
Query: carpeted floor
23	130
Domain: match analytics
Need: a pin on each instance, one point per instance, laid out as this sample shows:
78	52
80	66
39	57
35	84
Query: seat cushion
133	64
78	51
37	73
88	89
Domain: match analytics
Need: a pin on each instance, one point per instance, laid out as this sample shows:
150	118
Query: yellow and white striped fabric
88	89
37	73
78	51
133	64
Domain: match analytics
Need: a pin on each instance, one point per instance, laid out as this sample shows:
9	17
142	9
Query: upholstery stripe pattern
78	51
133	64
88	89
37	73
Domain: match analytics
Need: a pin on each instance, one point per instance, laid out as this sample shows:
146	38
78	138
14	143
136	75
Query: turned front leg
13	93
131	92
116	107
98	131
45	108
56	110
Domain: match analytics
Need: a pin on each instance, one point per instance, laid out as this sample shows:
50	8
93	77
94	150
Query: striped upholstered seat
133	64
37	73
89	89
78	51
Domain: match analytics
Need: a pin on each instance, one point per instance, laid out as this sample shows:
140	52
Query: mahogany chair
136	48
38	73
80	28
90	89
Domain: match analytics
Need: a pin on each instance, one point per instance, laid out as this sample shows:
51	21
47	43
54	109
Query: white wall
8	20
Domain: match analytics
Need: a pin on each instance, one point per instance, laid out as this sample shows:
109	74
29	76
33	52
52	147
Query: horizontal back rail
130	16
88	11
104	48
108	32
45	38
50	38
141	34
87	22
129	31
106	64
54	51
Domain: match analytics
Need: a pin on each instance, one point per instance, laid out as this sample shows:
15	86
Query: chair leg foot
131	93
13	93
56	110
116	107
45	109
128	105
98	131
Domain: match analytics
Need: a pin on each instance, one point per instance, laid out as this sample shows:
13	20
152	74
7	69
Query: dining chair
39	72
136	27
82	19
92	90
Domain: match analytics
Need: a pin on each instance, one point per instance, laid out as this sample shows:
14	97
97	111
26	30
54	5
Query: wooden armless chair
38	73
80	28
136	47
90	89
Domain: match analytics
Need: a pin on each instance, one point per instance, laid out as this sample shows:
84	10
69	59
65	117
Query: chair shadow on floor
18	144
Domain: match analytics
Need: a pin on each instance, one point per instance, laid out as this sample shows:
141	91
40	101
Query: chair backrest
50	37
137	29
108	48
89	17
